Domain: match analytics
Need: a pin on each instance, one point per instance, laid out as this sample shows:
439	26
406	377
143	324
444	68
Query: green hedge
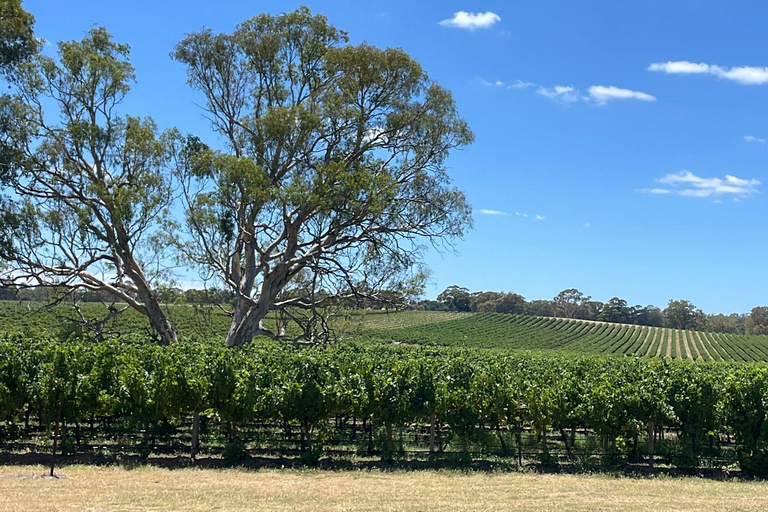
470	393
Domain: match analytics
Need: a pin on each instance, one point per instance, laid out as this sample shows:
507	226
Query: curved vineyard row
519	332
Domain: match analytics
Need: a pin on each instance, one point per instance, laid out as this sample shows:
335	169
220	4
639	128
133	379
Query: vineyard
202	400
511	332
432	328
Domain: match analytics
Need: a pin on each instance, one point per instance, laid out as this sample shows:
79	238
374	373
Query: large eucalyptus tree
332	173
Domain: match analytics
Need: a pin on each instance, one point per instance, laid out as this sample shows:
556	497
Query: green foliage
455	298
465	391
17	39
682	314
757	322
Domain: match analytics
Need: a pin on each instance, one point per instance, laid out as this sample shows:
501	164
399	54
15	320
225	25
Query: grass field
159	490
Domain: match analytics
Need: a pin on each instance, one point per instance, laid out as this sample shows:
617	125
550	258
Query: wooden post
195	433
432	433
56	432
651	435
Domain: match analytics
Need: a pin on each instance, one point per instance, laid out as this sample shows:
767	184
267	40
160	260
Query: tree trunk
157	319
159	322
389	440
564	438
246	323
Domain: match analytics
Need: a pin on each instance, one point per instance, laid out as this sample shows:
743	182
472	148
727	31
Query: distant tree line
167	295
572	303
569	303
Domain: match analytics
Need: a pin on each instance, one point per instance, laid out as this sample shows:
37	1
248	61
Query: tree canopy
682	314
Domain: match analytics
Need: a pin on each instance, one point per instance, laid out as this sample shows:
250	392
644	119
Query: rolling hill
514	332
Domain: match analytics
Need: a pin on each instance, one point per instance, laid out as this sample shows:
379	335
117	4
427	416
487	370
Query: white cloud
540	217
747	75
602	94
491	212
562	93
517	84
679	67
687	184
471	20
750	138
597	94
587	225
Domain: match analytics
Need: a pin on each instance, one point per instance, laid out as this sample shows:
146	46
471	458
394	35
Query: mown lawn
81	488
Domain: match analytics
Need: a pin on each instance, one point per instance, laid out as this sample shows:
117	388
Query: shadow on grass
131	462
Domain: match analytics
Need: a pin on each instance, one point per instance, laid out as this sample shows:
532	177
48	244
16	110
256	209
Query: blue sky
620	147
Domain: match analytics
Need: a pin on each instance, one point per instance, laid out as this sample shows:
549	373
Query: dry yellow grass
96	489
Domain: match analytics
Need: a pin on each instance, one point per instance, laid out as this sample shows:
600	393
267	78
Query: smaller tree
511	303
485	301
682	314
540	308
456	298
648	315
616	310
757	322
569	302
733	323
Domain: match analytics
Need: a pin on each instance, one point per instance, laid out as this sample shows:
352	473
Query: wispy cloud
471	20
750	138
687	184
596	94
747	75
491	212
561	93
517	84
602	94
587	225
520	84
540	217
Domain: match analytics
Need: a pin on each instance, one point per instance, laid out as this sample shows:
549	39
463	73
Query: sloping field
499	331
478	330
